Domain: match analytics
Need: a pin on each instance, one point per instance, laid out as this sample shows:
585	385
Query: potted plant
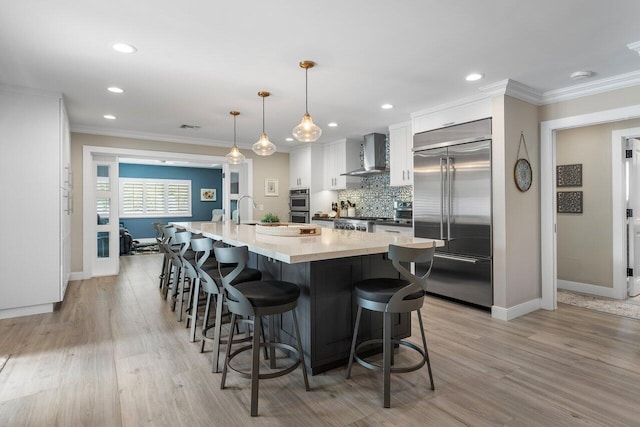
270	219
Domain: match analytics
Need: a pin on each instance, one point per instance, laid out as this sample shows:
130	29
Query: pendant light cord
306	90
234	131
263	114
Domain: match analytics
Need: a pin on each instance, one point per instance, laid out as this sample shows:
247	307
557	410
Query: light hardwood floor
115	355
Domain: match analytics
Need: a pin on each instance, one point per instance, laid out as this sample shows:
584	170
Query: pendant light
235	157
263	147
306	131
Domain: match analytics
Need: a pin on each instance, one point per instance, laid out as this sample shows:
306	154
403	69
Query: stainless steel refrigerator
452	202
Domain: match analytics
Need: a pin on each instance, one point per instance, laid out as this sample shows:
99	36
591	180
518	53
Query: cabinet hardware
403	172
391	231
448	124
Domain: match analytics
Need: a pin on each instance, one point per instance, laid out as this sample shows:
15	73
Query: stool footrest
394	370
276	374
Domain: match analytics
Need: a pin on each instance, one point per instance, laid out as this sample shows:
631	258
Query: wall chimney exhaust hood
375	156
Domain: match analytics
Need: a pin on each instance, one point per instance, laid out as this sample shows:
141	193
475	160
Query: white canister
351	212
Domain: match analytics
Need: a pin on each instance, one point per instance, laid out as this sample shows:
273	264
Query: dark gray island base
327	307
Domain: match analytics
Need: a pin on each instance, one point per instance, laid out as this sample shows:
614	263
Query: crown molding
634	46
122	133
30	91
608	84
514	89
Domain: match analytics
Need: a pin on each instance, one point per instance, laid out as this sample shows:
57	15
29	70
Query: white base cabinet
36	195
394	229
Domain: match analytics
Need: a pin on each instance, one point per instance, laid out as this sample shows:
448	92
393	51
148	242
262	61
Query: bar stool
256	299
167	247
158	228
389	296
210	281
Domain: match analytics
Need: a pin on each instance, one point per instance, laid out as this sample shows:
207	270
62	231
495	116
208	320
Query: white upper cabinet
340	157
445	116
300	167
400	154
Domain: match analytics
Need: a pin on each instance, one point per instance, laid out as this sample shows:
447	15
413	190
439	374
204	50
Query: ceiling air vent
189	127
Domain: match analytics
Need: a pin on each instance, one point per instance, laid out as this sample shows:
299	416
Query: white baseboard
584	288
510	313
8	313
76	275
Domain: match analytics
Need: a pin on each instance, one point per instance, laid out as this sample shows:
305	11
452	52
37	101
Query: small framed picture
207	194
271	187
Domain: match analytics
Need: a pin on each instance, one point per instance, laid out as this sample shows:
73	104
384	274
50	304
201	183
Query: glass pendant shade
307	131
235	157
263	147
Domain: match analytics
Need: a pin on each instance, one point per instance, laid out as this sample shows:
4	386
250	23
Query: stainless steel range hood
375	156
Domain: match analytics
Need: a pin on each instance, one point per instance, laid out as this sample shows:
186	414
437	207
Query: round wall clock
523	175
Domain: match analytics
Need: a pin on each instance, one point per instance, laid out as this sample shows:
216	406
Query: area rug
606	305
144	248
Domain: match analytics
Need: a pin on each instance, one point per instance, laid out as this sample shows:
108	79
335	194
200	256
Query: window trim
165	182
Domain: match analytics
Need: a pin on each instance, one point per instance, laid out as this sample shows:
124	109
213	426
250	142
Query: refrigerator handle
441	199
449	174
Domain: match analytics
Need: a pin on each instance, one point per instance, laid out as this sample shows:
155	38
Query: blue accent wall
141	228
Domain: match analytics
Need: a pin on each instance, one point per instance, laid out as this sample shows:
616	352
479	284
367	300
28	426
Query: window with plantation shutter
150	198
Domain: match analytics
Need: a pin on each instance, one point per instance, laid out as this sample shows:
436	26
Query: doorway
548	198
100	258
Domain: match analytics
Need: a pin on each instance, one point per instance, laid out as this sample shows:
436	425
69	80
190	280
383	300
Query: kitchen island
325	267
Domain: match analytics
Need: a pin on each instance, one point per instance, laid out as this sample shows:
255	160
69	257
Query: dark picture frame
569	175
569	202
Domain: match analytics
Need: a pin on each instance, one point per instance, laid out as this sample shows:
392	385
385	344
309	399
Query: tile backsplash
375	197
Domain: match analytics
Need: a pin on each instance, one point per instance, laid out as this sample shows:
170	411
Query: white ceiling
197	60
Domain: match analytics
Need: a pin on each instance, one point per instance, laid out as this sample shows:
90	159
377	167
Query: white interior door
105	252
633	222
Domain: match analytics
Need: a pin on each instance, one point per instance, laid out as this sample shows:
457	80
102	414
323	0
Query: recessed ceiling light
386	106
125	48
109	117
474	76
288	139
579	75
332	124
115	89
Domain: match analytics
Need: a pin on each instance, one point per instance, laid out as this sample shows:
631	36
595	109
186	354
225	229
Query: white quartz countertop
328	245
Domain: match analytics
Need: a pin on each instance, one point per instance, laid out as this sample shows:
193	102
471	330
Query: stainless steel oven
299	217
299	200
403	212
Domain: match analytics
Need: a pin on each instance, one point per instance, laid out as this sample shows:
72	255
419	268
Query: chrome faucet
238	206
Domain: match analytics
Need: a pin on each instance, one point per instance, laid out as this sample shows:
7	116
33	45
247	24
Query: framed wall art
569	175
207	194
271	187
569	202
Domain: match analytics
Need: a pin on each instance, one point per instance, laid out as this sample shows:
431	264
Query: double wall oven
299	206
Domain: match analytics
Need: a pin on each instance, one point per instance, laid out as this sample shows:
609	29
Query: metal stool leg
272	349
304	367
387	348
353	342
215	356
255	365
205	320
226	357
426	351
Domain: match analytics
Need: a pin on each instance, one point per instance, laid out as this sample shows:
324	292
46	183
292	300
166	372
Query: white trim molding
510	313
594	87
548	243
586	288
8	313
123	133
634	46
76	275
513	89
